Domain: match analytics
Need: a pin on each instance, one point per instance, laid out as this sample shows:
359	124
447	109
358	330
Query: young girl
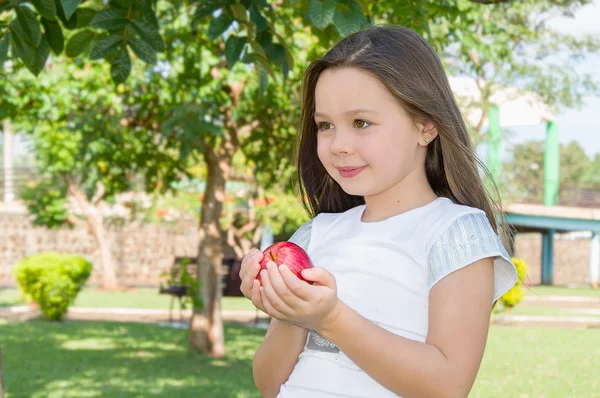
408	261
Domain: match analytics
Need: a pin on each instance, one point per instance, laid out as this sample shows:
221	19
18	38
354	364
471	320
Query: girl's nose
341	144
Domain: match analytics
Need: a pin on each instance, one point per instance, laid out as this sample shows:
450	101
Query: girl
403	236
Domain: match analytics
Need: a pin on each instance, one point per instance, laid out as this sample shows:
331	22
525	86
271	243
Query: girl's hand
292	300
248	272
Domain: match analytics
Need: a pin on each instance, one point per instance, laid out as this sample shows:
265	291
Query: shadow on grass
105	359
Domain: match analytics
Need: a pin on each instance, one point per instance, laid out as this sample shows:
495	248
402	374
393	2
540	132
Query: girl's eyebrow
351	112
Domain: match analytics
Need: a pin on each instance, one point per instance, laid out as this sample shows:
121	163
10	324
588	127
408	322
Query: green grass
132	298
532	310
539	362
562	291
104	359
149	297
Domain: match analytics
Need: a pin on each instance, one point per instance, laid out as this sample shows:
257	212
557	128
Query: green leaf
258	19
206	9
24	49
69	23
149	13
142	50
54	35
41	55
233	49
46	8
218	26
260	61
239	12
84	16
79	42
69	7
120	67
105	46
149	34
6	5
4	44
321	12
348	22
263	82
122	3
110	19
30	25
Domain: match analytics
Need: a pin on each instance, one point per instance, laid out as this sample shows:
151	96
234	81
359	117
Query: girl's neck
410	193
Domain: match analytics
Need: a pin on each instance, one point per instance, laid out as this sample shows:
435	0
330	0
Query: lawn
532	310
104	359
149	297
562	291
131	298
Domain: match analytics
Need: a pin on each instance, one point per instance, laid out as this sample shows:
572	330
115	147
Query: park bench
178	285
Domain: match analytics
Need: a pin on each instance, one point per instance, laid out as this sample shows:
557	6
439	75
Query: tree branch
100	190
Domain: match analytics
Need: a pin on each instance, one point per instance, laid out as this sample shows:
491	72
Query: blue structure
549	220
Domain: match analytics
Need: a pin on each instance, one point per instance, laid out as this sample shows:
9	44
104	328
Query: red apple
287	253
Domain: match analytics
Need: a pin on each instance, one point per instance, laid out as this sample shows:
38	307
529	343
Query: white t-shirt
384	271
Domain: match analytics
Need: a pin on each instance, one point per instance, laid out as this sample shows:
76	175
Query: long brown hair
412	72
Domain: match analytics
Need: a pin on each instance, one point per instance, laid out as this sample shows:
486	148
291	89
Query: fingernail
263	273
283	267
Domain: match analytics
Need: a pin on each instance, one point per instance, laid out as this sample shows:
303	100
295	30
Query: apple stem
273	256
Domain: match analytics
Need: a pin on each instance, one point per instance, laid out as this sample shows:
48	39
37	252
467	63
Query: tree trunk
109	274
95	223
1	377
206	326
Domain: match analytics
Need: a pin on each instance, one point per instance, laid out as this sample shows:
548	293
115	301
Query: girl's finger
256	298
249	277
272	296
301	289
270	309
280	287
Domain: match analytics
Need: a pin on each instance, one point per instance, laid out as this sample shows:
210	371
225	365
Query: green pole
551	165
493	153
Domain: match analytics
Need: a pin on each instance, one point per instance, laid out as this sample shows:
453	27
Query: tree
87	153
514	44
524	174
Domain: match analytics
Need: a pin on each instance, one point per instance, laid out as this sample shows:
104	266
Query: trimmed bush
52	280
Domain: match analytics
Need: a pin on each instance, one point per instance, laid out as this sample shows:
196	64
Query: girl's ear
428	133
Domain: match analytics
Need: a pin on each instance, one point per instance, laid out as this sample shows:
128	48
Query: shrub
515	295
52	280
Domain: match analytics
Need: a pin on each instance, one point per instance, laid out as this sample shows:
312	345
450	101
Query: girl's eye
361	124
324	126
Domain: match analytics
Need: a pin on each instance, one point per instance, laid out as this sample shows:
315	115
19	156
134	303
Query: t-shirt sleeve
302	235
470	238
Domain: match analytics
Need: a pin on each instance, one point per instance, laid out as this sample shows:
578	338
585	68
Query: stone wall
142	253
571	258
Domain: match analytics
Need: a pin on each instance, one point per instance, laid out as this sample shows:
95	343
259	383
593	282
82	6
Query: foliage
80	137
181	278
114	30
515	44
515	295
52	280
523	174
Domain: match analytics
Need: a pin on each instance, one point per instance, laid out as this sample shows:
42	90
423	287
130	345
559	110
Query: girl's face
366	140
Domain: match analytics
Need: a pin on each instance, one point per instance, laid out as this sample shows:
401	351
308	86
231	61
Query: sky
581	125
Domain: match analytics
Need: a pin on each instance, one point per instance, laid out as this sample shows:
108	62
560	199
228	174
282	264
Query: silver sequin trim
316	342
